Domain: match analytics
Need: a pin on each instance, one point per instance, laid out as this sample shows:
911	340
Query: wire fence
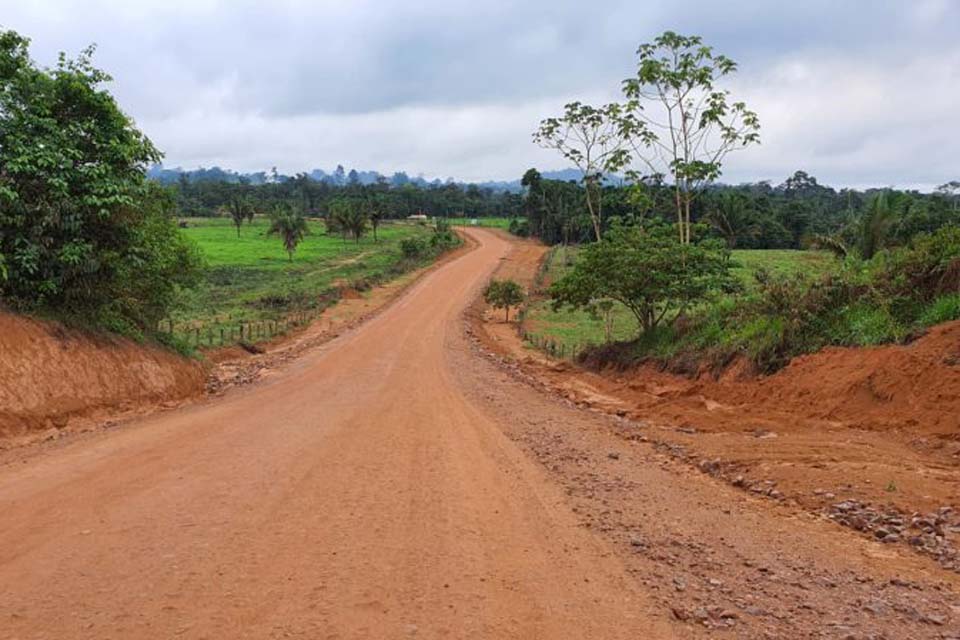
550	346
228	331
554	348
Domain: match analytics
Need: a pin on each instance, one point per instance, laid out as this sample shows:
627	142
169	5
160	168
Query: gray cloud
856	92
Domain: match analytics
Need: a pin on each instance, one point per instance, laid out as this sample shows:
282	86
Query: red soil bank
51	375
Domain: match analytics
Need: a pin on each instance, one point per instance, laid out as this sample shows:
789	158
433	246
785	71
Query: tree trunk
507	309
676	199
594	212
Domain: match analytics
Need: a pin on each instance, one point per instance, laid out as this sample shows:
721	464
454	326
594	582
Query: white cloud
855	92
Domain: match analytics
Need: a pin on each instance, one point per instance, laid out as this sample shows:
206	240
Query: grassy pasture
249	279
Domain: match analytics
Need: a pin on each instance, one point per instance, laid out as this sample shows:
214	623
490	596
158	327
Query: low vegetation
785	304
252	281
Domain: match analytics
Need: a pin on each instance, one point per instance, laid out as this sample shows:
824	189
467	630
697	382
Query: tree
349	216
82	233
647	270
951	191
503	294
875	225
593	139
731	218
375	215
602	310
678	122
240	209
288	223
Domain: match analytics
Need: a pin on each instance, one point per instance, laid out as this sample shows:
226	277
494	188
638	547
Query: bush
928	268
943	309
443	236
412	247
520	228
865	325
82	233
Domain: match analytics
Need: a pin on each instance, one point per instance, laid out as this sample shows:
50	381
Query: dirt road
393	484
356	494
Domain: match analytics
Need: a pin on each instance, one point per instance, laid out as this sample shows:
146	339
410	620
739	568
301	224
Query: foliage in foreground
647	270
886	299
83	235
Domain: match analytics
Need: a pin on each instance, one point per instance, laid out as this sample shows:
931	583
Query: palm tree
875	225
240	209
375	216
732	219
287	222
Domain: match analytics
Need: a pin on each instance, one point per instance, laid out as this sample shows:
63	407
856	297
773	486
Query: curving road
359	493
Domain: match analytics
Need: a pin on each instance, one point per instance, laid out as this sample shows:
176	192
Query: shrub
864	324
443	236
520	228
929	267
503	294
412	247
943	309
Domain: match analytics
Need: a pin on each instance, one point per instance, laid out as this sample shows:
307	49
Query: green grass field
499	223
249	279
577	328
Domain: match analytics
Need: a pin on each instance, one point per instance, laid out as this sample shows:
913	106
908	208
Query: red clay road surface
359	493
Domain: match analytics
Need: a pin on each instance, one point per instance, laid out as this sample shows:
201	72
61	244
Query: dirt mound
914	386
51	375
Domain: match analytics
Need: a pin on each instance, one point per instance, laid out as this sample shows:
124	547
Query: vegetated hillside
51	375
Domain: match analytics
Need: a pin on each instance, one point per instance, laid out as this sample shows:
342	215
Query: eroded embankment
51	375
869	437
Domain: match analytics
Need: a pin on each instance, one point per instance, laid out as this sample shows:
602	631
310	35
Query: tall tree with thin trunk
240	210
375	214
683	125
592	139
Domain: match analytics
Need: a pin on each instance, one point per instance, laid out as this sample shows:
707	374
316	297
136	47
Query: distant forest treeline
755	215
203	197
748	216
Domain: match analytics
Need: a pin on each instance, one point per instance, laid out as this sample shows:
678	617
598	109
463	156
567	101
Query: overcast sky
859	93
